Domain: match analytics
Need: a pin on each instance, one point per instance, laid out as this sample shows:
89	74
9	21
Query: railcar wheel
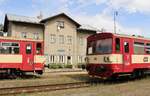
113	77
137	74
39	72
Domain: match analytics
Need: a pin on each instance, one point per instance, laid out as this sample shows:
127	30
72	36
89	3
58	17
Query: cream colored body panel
140	58
39	59
10	58
18	59
117	59
99	59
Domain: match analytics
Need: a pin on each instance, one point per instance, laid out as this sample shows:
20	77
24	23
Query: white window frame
69	39
81	40
36	35
60	24
52	38
61	39
51	59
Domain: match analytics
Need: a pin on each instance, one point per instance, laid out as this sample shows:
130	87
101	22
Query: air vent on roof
138	36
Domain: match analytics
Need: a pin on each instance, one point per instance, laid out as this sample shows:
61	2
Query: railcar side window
147	48
126	47
91	48
28	49
117	47
139	48
9	48
38	48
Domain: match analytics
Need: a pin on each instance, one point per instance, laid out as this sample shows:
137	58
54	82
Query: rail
42	88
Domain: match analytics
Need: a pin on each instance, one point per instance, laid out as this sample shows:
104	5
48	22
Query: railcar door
28	58
126	54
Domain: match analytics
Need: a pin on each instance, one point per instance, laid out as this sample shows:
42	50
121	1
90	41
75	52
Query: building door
28	58
69	60
126	54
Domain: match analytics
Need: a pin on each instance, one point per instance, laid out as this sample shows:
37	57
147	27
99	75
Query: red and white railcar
21	55
111	54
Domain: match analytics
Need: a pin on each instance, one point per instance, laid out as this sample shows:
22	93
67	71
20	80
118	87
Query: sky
133	15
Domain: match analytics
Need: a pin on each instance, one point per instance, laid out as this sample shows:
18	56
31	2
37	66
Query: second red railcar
110	55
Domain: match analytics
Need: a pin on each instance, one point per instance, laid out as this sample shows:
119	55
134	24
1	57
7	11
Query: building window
69	59
51	59
61	59
69	39
60	24
9	48
24	34
80	59
36	35
81	40
61	39
139	48
52	38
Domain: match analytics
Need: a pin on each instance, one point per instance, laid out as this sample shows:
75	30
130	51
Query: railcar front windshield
104	46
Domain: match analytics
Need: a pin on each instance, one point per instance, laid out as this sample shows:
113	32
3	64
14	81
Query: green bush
55	66
81	65
68	66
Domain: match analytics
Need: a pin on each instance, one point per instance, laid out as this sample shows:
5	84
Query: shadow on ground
92	80
13	77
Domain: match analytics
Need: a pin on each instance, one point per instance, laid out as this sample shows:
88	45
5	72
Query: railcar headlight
107	59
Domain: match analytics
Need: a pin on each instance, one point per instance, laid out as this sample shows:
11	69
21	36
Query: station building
64	38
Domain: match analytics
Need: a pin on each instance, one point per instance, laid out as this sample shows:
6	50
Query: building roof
25	19
88	28
35	20
61	14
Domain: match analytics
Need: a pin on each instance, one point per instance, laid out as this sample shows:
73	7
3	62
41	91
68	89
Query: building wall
71	50
9	26
18	29
58	52
81	46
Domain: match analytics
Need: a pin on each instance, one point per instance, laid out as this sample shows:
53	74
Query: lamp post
115	27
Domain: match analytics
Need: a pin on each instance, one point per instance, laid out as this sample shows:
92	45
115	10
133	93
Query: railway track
42	88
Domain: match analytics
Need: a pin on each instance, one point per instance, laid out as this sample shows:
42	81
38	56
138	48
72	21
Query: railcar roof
19	39
126	36
131	36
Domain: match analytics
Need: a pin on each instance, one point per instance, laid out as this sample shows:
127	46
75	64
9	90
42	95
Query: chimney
40	16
